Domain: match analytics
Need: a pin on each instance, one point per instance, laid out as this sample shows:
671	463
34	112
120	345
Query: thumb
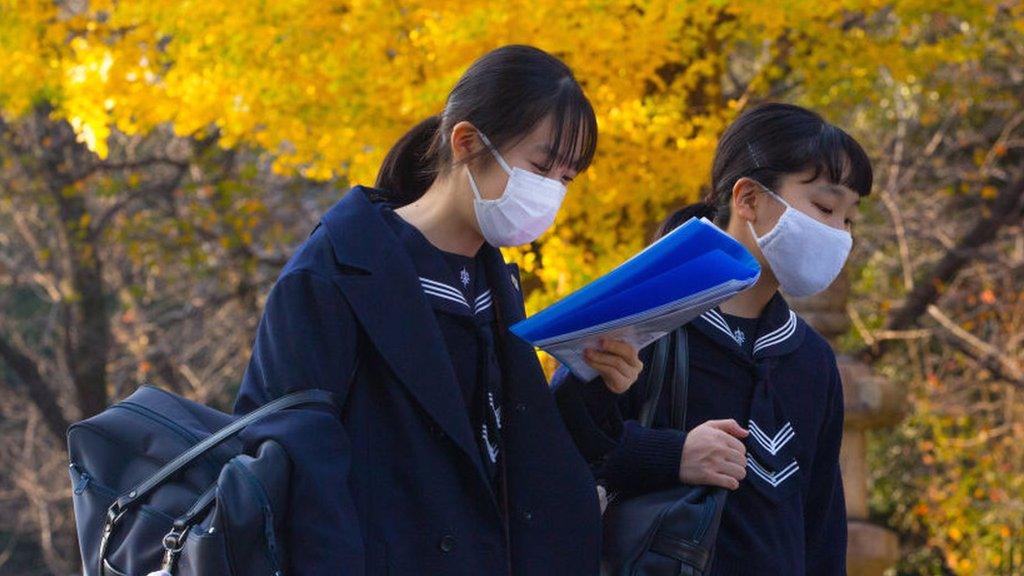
730	427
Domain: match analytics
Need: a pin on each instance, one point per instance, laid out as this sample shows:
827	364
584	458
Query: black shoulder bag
669	532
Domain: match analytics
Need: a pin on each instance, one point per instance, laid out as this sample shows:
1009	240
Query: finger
730	427
736	458
733	444
614	378
727	482
610	358
622	349
734	471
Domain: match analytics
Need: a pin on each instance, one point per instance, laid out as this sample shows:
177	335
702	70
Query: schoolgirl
449	456
765	402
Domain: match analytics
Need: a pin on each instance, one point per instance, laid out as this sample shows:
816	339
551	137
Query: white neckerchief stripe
486	294
492	448
780	438
772	445
442	287
778	335
775	478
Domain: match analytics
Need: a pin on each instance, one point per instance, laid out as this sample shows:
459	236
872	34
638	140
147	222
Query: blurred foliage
211	134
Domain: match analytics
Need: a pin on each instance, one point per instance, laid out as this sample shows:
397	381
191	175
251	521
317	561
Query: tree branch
34	387
1006	209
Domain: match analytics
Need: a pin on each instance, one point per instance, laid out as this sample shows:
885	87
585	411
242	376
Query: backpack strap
680	378
655	381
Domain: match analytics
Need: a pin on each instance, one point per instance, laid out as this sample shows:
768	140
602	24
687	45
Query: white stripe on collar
780	334
483	302
444	295
715	319
450	293
442	287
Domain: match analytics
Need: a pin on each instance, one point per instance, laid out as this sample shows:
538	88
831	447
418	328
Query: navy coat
395	485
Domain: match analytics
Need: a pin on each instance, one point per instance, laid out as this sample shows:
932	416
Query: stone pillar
871	402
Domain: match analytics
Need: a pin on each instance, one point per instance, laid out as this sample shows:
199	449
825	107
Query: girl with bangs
448	455
764	415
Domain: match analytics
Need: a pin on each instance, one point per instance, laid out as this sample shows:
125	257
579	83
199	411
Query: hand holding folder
672	281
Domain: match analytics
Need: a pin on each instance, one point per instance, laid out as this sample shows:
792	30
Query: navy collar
438	280
377	277
779	332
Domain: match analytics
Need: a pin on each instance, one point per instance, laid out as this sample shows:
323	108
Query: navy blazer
395	485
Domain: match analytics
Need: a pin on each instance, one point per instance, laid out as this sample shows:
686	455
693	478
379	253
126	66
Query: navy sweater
788	516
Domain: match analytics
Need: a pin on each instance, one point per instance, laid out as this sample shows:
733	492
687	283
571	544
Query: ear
745	197
465	141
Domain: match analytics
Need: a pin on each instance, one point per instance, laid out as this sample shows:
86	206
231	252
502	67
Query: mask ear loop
501	162
776	197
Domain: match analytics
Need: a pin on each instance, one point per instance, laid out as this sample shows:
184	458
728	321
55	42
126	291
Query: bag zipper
190	438
268	515
85	480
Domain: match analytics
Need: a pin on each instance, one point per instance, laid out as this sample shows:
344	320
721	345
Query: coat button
527	515
520	407
447	543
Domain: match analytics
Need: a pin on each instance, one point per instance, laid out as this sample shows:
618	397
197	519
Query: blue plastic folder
679	277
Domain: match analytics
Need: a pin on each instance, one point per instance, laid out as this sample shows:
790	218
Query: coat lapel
386	298
522	364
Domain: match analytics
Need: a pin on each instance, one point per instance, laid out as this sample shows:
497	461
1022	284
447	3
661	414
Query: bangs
575	129
839	157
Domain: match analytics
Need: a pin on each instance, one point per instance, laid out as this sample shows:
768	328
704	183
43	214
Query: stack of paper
679	277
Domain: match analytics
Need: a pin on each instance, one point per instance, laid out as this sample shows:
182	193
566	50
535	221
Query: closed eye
824	209
544	172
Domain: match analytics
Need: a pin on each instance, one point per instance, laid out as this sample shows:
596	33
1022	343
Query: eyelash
540	169
828	211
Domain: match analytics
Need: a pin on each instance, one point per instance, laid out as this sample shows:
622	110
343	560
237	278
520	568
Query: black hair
505	94
769	141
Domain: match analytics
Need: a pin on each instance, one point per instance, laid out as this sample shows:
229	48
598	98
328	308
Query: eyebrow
544	148
839	190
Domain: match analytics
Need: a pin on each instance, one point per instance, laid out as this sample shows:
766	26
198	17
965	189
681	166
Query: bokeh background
160	160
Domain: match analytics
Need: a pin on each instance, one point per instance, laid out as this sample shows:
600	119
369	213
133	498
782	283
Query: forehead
540	141
821	183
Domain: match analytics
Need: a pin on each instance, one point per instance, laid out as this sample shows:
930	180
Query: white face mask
805	254
523	212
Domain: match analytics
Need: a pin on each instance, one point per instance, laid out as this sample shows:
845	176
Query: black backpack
669	532
161	485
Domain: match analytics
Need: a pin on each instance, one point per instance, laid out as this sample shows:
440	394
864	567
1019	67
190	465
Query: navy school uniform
776	377
405	481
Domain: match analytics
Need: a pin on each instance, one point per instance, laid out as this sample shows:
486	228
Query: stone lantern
871	402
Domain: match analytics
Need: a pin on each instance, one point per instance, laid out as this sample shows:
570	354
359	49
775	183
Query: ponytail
411	165
677	218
